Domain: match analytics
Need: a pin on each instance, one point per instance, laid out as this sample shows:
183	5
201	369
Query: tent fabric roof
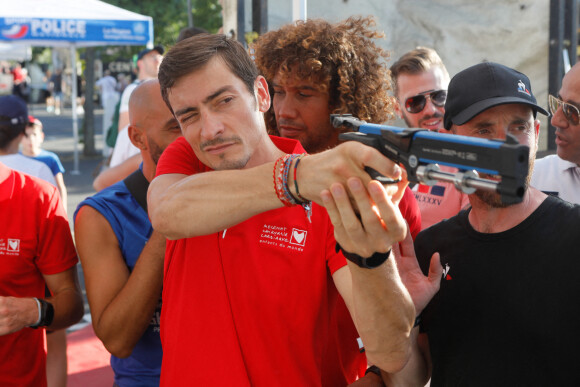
66	9
80	23
72	23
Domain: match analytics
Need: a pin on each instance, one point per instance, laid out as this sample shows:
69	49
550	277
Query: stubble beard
493	199
224	163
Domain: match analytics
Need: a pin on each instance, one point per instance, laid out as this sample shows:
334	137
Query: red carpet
88	360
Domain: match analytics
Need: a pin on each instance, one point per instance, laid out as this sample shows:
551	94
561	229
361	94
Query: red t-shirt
271	314
35	239
250	305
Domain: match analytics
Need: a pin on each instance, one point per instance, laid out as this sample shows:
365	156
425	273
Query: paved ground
88	359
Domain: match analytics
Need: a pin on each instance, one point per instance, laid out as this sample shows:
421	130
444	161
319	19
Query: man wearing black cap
12	130
36	249
498	302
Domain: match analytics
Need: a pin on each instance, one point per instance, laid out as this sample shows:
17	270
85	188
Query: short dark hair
188	32
9	132
415	62
192	54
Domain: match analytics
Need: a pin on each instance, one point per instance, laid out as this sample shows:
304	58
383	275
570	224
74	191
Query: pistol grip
380	178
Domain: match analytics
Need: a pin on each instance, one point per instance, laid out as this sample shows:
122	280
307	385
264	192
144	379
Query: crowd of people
235	240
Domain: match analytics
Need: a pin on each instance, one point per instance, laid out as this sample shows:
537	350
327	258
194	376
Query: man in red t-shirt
251	278
305	93
36	248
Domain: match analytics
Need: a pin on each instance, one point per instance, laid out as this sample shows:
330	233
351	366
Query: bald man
559	174
115	241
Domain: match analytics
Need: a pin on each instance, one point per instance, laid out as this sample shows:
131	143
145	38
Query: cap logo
522	88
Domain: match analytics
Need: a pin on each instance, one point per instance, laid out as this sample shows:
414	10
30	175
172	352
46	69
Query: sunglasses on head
570	111
417	103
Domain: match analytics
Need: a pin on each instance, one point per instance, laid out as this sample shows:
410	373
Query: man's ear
537	130
397	107
262	93
137	137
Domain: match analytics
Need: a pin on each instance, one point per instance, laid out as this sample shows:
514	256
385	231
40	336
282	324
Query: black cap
146	51
14	108
484	86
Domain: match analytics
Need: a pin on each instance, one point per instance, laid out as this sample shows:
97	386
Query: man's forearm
125	319
384	314
186	206
416	372
68	308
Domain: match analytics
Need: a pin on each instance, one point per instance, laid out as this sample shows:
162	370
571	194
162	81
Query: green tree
170	16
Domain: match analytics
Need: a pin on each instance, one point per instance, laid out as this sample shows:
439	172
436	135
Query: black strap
371	262
137	184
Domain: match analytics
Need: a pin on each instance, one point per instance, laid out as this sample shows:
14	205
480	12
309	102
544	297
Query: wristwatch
371	262
45	313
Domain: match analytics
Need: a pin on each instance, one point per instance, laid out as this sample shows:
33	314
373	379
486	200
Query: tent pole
299	8
73	56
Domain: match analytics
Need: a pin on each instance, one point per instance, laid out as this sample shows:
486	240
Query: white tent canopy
72	23
15	52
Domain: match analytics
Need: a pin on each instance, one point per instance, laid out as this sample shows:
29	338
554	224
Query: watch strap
371	262
46	314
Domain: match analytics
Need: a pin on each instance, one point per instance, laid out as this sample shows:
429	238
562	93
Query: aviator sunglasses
570	111
417	103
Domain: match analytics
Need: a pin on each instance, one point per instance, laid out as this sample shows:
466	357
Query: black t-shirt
507	312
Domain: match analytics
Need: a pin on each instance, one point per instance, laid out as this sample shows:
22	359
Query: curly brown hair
340	58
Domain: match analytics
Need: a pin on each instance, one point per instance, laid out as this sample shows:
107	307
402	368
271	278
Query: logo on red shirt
13	245
298	237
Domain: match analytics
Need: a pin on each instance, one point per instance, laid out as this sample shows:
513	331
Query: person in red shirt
311	81
36	248
251	277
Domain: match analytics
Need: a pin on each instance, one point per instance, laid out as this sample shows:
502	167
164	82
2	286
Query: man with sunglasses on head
560	174
420	82
499	282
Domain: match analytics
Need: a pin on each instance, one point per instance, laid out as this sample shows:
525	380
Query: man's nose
211	127
429	108
558	119
285	107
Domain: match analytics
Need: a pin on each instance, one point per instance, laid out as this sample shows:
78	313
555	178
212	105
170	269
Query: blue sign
105	31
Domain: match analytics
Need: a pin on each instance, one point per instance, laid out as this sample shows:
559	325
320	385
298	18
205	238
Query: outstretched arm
422	289
379	303
123	305
117	173
182	206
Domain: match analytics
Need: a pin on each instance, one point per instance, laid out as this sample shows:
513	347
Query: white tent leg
73	56
299	10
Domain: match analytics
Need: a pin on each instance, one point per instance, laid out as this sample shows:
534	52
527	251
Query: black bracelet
371	262
46	314
374	369
417	321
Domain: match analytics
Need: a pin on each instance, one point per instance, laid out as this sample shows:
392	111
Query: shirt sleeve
179	158
56	251
46	174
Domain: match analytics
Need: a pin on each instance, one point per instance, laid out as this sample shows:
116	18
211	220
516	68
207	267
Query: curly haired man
314	69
